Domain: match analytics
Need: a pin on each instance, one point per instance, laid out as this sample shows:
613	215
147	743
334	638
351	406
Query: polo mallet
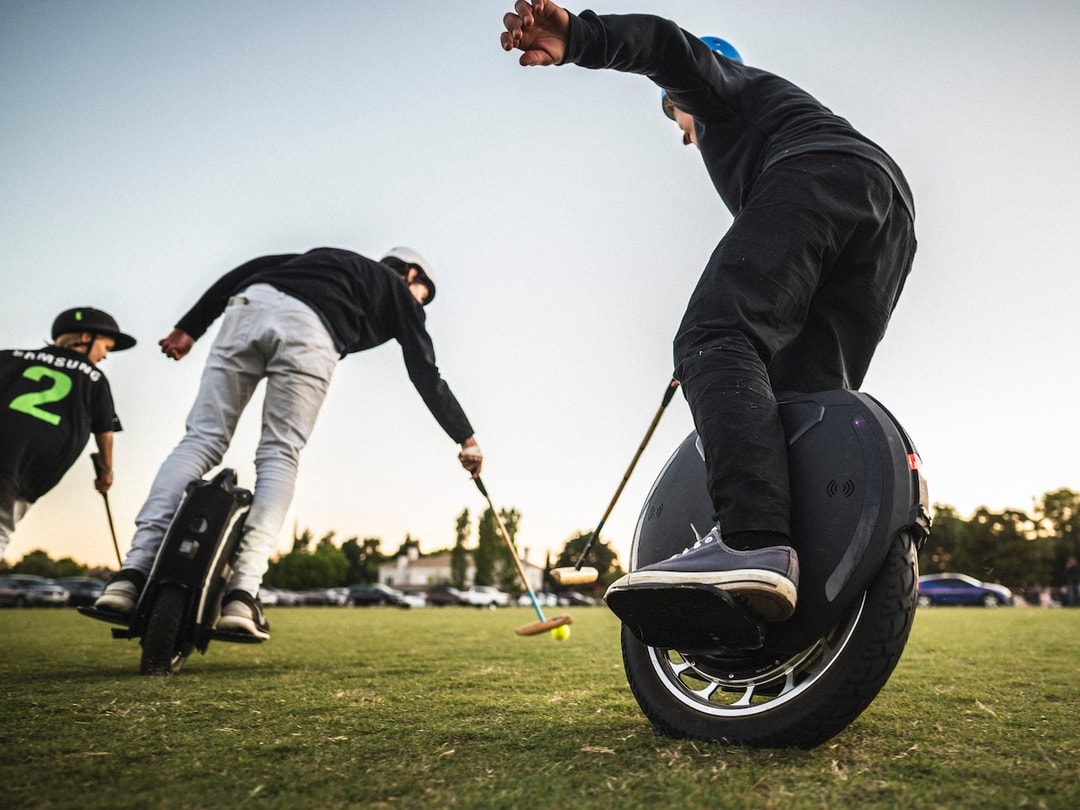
575	574
534	628
99	468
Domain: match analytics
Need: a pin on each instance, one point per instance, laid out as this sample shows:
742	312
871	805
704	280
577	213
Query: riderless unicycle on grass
859	515
181	601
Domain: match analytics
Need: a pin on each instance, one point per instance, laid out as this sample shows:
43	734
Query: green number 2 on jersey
32	403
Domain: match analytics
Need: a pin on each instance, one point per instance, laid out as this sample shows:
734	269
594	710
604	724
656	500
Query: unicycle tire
163	649
798	700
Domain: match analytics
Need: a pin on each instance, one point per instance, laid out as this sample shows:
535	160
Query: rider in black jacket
286	321
795	297
361	302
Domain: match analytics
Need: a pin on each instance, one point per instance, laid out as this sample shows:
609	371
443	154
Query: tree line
1022	550
1019	549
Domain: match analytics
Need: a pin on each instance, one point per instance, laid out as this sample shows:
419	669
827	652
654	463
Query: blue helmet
724	48
717	45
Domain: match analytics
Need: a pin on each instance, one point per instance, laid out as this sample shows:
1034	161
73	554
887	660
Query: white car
543	599
486	596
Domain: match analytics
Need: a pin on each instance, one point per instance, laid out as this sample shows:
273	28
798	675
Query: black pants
795	297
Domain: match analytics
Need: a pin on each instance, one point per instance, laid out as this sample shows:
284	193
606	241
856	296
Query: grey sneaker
122	592
766	579
242	613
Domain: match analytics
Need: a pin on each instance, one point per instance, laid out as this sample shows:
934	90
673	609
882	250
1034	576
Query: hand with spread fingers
539	29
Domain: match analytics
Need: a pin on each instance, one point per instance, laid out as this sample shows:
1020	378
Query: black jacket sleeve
651	46
418	352
746	119
212	303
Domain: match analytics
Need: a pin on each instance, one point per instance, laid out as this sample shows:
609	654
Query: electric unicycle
859	515
181	601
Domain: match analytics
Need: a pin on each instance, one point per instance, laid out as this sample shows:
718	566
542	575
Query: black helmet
88	319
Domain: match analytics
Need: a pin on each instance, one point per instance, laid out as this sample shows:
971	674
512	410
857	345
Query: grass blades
382	707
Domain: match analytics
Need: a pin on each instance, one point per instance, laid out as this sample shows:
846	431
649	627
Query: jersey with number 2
51	400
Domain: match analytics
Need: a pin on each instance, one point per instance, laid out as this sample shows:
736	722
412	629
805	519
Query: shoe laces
711	537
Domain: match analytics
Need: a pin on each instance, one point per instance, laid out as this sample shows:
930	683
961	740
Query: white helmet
410	258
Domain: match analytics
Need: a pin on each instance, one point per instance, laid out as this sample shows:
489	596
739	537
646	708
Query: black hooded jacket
746	119
362	303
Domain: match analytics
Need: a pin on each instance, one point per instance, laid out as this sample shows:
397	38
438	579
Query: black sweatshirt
362	303
746	119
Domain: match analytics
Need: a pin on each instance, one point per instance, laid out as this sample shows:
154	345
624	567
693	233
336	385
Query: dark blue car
959	589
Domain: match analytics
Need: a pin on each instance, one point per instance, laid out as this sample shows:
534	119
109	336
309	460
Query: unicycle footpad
693	619
235	637
104	615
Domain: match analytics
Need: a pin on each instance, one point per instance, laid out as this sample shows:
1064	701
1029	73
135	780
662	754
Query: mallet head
536	628
572	575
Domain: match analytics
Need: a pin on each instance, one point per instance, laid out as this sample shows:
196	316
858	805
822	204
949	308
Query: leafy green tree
949	533
39	563
998	550
601	557
506	575
332	565
67	567
302	542
494	565
1059	522
364	559
1011	546
36	562
459	557
353	554
487	549
324	567
408	546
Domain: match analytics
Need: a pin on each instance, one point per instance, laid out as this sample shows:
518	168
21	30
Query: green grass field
379	707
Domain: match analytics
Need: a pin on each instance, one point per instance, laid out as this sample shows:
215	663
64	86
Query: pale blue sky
148	148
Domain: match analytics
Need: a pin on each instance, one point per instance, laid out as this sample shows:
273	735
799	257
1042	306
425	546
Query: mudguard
855	483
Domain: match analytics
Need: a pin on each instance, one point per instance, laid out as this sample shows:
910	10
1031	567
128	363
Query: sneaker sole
770	595
125	608
238	624
693	619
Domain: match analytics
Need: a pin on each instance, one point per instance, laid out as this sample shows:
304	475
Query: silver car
33	591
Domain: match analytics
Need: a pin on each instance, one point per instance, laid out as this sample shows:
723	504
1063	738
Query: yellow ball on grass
561	633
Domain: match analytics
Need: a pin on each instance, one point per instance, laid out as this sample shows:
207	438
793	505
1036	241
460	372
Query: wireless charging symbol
845	488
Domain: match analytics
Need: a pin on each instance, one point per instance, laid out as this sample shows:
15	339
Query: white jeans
272	336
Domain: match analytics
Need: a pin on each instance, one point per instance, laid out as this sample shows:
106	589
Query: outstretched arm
539	29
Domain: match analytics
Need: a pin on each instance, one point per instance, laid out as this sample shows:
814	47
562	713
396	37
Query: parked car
338	596
414	599
960	589
544	598
270	595
10	596
83	591
445	595
486	596
361	595
575	598
35	591
317	596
